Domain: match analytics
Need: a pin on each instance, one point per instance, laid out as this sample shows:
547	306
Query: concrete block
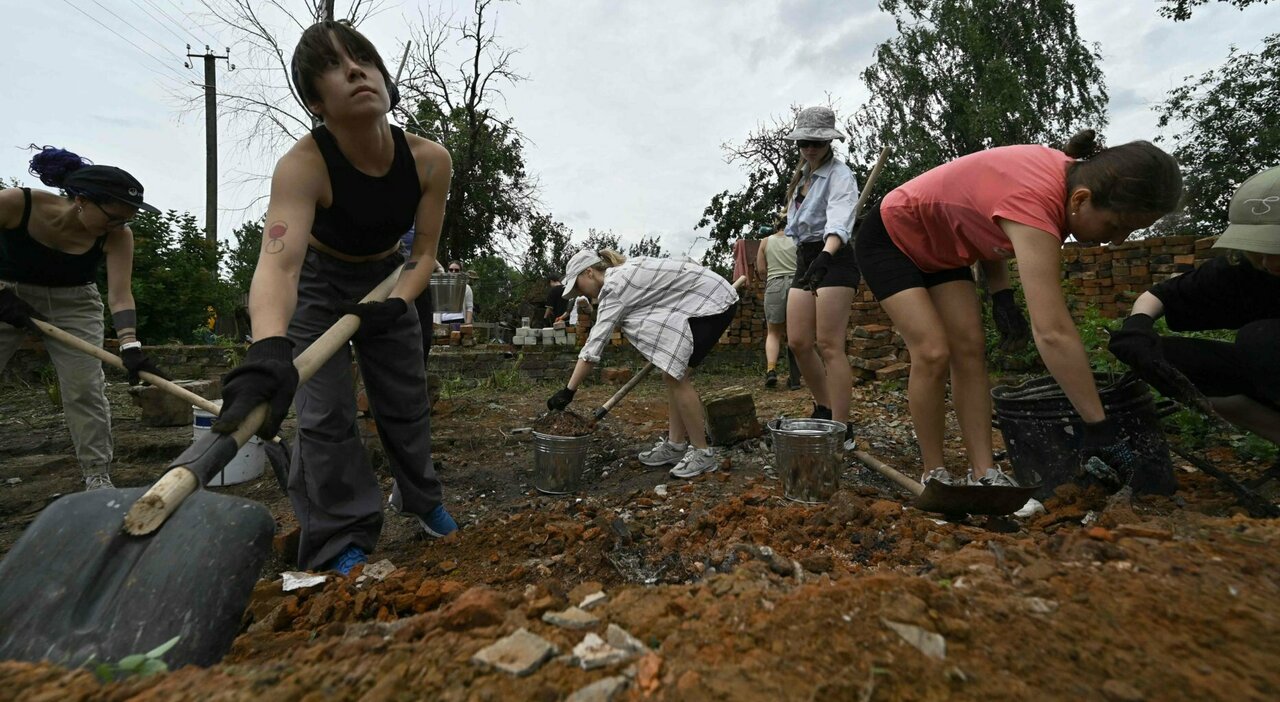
518	654
731	416
160	409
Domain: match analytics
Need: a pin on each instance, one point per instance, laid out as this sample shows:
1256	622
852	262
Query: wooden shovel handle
906	483
154	507
871	180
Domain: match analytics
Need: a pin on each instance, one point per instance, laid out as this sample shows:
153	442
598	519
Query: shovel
277	450
77	587
937	496
625	390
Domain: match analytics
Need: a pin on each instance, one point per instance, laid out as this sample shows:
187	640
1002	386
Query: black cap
108	181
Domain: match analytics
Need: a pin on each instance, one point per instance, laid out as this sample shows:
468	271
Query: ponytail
1082	144
52	165
1130	178
608	259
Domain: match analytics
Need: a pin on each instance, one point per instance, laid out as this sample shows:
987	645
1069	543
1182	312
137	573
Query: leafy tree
548	252
497	289
1229	131
967	75
1180	10
241	259
647	246
597	240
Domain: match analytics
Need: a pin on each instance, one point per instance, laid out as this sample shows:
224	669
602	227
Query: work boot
820	412
663	453
696	461
97	481
344	562
793	383
771	379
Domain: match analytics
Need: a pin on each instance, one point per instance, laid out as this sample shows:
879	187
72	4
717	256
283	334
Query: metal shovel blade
973	499
75	587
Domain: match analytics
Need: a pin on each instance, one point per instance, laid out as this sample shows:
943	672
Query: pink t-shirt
947	218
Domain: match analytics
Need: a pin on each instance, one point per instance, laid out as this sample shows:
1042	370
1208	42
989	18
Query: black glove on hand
1104	442
561	399
135	361
1137	344
375	317
1012	325
265	375
817	271
16	311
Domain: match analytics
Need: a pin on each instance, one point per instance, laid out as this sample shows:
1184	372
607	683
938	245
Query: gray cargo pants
76	310
333	488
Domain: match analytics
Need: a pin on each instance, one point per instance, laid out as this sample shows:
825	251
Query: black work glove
817	271
265	375
561	399
1012	325
1106	454
375	317
135	361
16	311
1137	344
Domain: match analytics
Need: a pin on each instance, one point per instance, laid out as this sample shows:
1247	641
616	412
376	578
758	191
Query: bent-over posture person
673	313
51	247
1238	291
341	199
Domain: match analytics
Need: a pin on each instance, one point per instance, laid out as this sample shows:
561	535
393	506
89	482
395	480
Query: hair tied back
1083	144
52	165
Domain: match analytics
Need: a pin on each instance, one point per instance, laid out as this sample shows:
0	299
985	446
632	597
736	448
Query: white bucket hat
580	262
815	124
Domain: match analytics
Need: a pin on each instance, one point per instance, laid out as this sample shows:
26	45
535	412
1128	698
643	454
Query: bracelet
130	345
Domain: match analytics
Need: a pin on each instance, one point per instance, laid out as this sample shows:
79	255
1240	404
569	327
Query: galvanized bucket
448	291
808	454
558	462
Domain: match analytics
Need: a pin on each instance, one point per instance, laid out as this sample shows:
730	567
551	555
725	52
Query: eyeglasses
806	144
112	223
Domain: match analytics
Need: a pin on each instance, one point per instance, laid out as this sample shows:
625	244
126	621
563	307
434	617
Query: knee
830	348
799	345
933	358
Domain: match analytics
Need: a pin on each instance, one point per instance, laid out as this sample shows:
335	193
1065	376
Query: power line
165	64
209	37
130	25
158	21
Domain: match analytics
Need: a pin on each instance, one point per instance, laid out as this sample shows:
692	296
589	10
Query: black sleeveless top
25	260
369	214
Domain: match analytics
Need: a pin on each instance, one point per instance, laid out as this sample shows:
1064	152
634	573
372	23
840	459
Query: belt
330	251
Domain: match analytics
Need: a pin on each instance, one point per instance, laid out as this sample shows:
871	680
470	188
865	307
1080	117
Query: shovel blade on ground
993	500
75	587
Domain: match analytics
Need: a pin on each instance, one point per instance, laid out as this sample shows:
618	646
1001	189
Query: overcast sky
625	108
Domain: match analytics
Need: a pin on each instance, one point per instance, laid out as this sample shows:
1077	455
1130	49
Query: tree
1229	131
597	240
497	289
1180	10
967	75
241	259
647	246
548	252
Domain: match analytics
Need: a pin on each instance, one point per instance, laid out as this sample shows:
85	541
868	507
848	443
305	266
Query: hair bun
52	165
1082	144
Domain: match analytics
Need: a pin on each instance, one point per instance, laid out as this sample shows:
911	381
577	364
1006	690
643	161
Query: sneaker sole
652	464
686	476
432	532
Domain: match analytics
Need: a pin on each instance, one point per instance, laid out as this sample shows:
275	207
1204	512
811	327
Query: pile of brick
1110	278
555	335
748	326
876	352
445	335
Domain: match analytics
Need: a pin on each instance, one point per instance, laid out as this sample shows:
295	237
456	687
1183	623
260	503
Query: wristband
130	345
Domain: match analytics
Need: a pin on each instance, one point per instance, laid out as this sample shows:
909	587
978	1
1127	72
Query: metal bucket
808	454
558	462
448	291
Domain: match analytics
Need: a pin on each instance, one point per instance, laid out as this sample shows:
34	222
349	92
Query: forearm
124	316
272	301
414	279
1149	305
580	372
1064	355
832	243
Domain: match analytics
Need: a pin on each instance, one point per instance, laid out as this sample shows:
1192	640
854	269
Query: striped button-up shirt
827	207
653	299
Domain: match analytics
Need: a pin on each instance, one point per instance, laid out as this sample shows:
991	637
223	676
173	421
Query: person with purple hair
51	246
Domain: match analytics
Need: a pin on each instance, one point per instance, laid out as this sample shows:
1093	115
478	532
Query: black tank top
25	260
369	214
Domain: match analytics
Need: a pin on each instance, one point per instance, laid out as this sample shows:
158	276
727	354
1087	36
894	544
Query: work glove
135	361
561	399
375	317
265	375
1107	455
16	311
817	271
1136	344
1012	325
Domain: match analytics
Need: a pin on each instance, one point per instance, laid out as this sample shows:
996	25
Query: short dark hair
315	53
1133	177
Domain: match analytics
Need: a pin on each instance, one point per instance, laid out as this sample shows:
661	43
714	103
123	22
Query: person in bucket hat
1237	291
820	203
51	247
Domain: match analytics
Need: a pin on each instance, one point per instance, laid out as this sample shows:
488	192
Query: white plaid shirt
653	299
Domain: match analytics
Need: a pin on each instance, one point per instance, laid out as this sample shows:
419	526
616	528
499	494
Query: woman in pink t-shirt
915	250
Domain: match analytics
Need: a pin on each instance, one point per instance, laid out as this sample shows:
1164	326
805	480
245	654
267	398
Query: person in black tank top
341	199
51	247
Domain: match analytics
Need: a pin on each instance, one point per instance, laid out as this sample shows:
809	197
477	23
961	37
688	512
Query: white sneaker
97	481
696	461
939	474
996	477
663	453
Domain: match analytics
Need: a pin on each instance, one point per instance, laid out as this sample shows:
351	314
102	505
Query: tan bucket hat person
1255	216
815	124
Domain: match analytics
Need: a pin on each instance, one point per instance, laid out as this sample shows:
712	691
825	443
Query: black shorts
707	331
889	271
842	274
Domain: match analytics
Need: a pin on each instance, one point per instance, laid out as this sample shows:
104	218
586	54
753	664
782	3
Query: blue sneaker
438	523
350	557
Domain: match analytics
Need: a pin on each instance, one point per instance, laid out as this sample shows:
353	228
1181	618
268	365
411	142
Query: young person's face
813	151
106	217
349	87
1098	225
588	283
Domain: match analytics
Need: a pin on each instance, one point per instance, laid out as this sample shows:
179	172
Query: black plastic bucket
1043	433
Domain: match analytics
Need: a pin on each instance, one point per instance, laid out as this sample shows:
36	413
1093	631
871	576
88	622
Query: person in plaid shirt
672	312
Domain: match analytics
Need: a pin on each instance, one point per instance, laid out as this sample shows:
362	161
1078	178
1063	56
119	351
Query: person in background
673	313
556	302
456	319
423	302
776	265
51	247
917	246
1239	291
820	210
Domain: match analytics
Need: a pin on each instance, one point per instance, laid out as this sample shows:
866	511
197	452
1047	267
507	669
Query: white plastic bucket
249	460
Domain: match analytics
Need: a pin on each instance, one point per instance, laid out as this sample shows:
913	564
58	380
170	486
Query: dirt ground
737	593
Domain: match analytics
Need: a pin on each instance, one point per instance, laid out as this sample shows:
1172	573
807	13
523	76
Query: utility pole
328	10
210	138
